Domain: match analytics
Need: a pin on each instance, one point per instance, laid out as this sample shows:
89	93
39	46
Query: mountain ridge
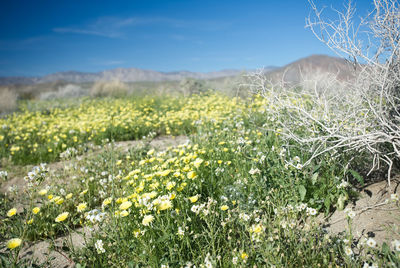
122	74
312	66
292	72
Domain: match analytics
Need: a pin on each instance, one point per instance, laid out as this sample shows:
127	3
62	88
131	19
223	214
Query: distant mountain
10	80
312	66
294	72
122	74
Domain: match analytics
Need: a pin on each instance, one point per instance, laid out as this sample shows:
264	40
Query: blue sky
41	37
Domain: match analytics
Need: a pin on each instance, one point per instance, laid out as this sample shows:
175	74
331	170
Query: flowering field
236	195
40	136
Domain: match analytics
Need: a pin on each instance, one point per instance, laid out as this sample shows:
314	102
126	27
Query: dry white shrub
361	115
109	88
8	100
67	91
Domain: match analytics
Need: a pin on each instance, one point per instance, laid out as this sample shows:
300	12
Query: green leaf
302	192
314	178
327	203
316	168
162	238
132	265
385	248
357	176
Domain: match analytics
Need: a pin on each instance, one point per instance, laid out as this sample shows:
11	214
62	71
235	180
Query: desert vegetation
236	195
253	184
8	100
112	88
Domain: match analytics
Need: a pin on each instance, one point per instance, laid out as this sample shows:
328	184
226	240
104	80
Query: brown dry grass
109	88
8	100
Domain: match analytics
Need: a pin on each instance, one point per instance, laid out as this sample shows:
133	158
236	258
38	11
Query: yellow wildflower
125	205
170	185
224	207
43	192
191	175
81	207
257	228
107	201
13	243
147	220
136	233
59	201
11	212
166	204
124	213
62	217
194	199
198	162
83	192
165	172
152	194
36	210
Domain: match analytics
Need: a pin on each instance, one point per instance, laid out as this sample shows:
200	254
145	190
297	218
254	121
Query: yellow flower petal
13	243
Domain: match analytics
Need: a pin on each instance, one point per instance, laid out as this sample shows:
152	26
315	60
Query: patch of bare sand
42	253
159	143
376	215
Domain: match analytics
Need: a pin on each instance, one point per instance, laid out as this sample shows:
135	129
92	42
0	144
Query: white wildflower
311	211
348	251
254	171
181	232
396	245
99	246
301	207
188	265
207	261
3	174
244	216
234	260
371	242
350	213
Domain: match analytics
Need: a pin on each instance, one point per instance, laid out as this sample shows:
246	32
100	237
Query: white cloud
111	27
88	32
116	27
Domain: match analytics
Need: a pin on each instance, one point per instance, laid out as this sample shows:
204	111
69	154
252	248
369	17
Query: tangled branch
361	115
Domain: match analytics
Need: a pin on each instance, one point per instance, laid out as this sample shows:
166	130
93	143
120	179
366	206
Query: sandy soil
376	215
